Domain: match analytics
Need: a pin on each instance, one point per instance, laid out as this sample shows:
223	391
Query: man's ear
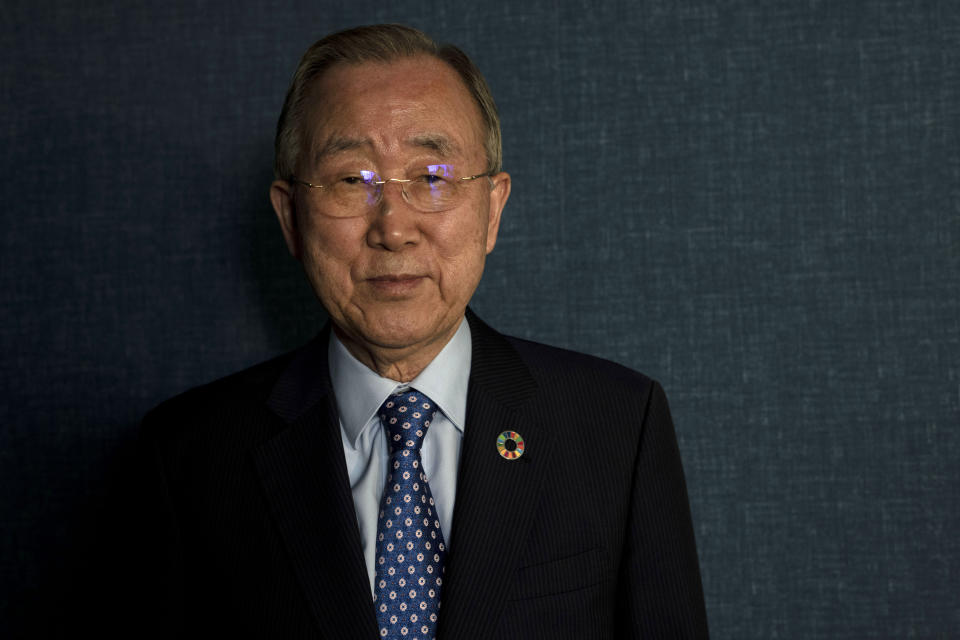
281	196
498	200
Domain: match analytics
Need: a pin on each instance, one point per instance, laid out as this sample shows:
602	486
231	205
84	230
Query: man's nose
395	224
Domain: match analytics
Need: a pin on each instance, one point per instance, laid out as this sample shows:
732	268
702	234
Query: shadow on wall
289	309
77	549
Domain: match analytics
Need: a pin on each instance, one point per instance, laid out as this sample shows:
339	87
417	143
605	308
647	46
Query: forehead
388	107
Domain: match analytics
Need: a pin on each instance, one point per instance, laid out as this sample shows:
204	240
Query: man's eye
358	179
432	179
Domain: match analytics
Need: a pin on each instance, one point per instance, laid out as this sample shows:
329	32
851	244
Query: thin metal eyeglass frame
401	181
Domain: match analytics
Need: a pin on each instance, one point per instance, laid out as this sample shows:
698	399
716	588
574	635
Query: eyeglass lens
431	189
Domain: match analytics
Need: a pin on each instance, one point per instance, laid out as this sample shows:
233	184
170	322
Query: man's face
392	277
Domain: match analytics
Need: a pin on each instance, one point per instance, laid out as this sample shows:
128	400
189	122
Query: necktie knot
406	416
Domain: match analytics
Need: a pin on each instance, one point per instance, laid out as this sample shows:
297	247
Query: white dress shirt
360	391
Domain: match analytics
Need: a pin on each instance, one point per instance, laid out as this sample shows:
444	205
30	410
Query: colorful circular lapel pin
510	445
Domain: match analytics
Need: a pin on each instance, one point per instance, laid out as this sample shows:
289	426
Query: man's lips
398	277
396	284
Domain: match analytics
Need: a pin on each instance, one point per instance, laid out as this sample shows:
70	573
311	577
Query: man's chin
398	331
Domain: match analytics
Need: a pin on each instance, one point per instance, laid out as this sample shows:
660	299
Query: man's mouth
396	284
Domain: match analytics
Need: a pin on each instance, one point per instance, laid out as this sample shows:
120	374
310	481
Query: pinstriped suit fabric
537	554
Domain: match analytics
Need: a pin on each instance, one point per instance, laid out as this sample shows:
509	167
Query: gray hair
376	43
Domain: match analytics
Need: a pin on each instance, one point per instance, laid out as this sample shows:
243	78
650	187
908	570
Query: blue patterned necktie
410	545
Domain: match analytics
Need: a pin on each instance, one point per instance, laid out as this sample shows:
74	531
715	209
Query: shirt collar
360	391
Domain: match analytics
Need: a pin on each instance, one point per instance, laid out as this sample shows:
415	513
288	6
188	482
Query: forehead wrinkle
438	143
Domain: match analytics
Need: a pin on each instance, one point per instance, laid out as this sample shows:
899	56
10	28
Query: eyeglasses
432	189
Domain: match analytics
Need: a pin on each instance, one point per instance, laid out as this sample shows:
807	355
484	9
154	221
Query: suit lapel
496	498
305	479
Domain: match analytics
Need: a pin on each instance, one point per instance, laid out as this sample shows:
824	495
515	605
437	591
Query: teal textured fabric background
757	203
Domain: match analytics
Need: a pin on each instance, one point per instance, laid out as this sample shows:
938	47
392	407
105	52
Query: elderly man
412	473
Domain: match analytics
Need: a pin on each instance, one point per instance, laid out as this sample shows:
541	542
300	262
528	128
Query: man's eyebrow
336	145
443	145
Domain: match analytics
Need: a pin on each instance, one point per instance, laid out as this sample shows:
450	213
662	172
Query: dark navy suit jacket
251	532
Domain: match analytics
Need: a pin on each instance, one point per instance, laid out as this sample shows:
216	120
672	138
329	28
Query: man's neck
403	364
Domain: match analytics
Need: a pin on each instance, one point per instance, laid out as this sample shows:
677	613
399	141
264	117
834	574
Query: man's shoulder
577	387
248	385
550	366
223	405
553	365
